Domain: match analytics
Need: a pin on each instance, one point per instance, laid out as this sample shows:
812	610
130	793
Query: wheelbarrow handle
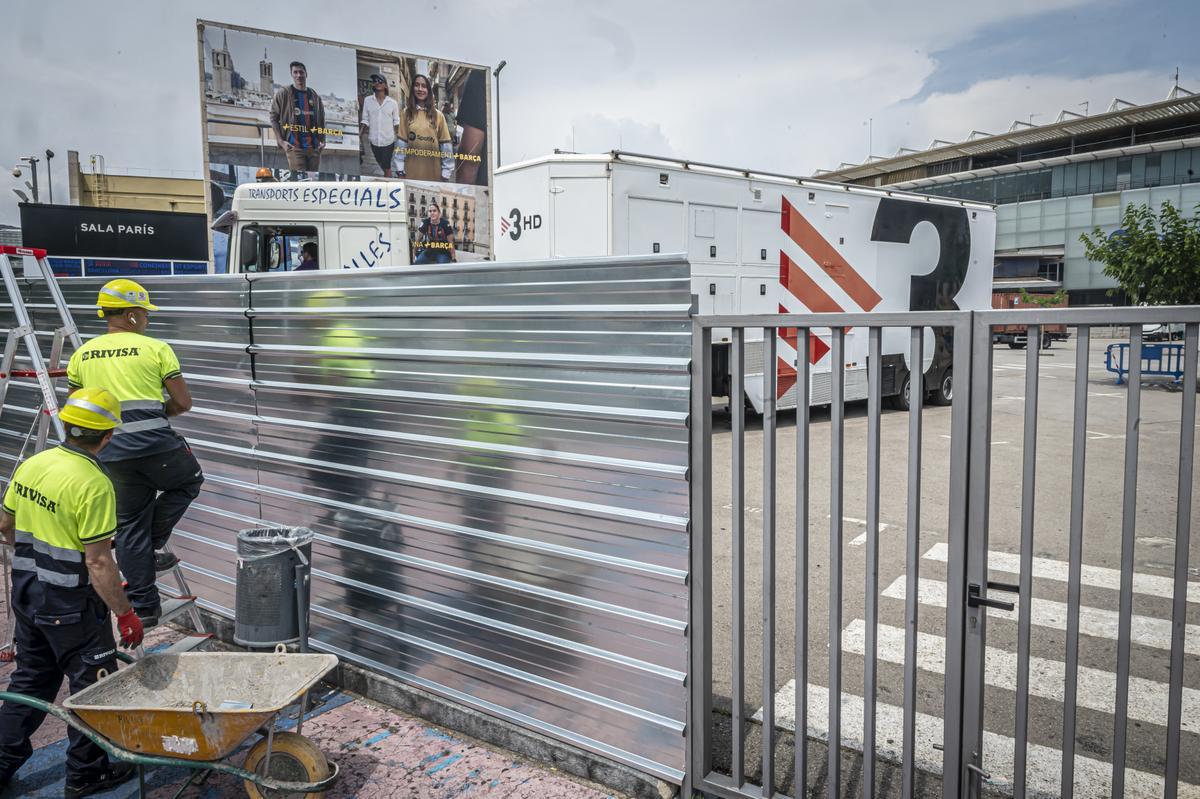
114	751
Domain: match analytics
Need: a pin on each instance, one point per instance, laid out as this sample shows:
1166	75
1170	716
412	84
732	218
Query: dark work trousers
153	493
76	647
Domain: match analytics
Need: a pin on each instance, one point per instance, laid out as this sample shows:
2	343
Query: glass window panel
1069	179
1083	179
1056	182
1110	174
1167	169
1152	170
1043	183
1137	172
1097	175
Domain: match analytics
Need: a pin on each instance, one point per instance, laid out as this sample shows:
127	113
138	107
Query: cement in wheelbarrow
196	705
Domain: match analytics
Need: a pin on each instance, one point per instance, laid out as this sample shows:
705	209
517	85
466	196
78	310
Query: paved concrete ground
382	753
1158	465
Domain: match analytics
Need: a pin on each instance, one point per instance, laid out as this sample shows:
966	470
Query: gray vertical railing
965	762
871	611
1025	589
699	717
1075	561
1133	413
912	563
703	738
1121	781
837	434
803	383
1183	539
737	539
768	564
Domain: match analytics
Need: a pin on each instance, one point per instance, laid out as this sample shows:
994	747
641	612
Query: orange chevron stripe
804	288
785	378
825	256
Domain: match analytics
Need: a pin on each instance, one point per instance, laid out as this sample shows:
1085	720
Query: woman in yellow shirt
424	151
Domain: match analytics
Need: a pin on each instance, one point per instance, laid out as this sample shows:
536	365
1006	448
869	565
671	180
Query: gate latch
975	600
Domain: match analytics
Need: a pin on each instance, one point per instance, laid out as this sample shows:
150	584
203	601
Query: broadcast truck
766	243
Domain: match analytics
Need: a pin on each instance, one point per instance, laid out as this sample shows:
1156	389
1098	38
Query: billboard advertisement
284	107
87	241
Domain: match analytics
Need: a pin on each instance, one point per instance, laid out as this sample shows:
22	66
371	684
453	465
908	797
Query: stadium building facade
1053	182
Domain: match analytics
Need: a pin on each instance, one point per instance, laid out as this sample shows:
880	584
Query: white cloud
779	86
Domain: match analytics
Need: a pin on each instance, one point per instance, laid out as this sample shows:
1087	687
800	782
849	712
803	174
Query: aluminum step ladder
46	372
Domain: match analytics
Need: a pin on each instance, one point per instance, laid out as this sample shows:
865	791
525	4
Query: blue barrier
1158	360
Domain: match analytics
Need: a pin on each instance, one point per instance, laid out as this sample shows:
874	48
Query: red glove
131	629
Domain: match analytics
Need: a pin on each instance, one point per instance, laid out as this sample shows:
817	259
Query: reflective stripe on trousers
141	405
142	425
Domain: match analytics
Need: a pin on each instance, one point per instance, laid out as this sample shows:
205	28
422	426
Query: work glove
131	629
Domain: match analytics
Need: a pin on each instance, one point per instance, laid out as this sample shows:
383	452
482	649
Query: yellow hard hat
123	293
92	408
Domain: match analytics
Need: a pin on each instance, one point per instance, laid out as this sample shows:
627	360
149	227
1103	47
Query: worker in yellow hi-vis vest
152	468
59	519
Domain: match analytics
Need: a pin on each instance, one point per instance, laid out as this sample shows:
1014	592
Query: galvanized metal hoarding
494	461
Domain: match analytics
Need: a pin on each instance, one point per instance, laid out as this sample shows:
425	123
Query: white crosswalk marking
1097	688
1148	699
1096	576
1096	622
1092	777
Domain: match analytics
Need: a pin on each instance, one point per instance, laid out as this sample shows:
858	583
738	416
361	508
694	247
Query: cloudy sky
777	86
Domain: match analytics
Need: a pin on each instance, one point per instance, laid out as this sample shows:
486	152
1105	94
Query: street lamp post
32	160
496	75
49	175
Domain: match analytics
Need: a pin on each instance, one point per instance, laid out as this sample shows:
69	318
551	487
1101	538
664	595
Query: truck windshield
282	249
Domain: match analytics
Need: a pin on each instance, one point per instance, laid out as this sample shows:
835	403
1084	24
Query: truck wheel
1046	341
944	393
901	401
1012	345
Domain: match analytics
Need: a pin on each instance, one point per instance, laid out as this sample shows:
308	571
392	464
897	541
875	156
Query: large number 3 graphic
895	221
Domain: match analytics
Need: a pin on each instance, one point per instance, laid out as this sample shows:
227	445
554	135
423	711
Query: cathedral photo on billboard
243	71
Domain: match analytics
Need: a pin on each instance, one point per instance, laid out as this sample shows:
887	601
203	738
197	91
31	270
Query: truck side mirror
249	249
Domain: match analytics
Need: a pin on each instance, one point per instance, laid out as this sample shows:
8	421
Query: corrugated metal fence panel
494	459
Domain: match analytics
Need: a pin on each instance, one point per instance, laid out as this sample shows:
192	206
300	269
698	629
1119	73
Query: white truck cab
353	225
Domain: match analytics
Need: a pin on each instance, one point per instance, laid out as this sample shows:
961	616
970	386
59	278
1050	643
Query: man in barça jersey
153	470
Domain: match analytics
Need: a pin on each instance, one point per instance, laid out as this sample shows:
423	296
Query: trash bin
271	604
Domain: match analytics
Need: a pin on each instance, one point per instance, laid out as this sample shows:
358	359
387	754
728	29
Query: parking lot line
861	538
994	443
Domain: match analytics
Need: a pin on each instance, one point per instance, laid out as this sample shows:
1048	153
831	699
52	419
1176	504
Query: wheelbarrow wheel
293	758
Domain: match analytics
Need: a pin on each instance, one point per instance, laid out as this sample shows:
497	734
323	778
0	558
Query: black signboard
73	230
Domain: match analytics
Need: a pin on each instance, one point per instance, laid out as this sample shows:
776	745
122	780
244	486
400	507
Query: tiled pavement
382	753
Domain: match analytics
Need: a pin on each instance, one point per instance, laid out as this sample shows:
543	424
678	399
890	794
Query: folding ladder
46	372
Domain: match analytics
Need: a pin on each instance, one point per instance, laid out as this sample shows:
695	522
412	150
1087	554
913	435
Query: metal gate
878	699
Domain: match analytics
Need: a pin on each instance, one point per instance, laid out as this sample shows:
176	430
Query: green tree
1155	261
1054	300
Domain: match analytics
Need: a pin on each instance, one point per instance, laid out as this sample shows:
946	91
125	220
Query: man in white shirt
381	123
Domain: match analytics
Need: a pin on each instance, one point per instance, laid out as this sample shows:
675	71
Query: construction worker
59	518
152	468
